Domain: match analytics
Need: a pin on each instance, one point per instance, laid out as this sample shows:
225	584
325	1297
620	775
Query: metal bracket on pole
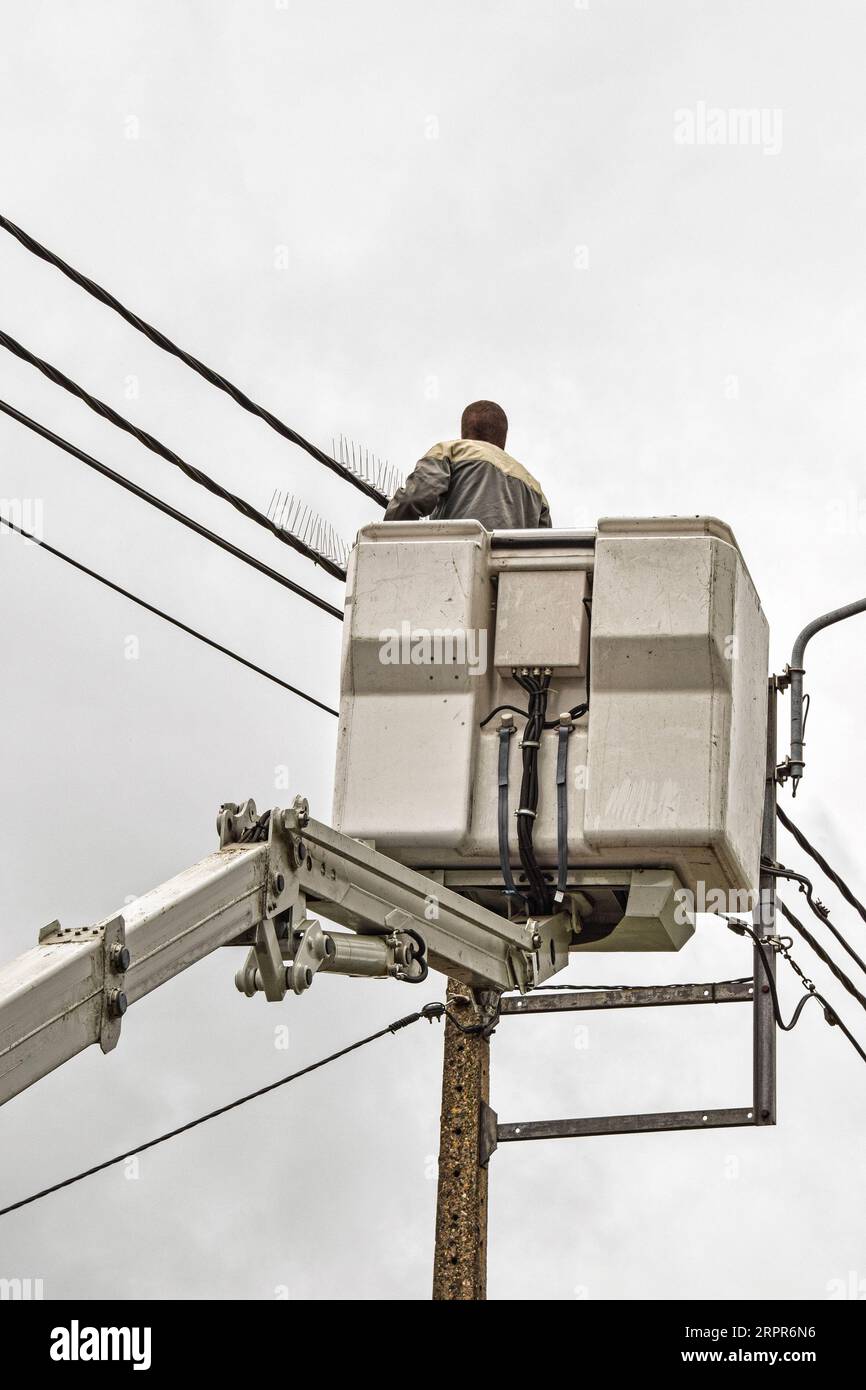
483	1007
762	1110
488	1133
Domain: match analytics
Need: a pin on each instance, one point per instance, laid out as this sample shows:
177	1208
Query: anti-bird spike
317	534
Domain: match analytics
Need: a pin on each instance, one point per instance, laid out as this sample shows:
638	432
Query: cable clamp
429	1011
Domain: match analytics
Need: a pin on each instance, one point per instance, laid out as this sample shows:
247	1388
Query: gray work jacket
468	478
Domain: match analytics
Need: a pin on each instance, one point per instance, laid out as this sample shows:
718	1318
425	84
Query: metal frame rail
762	1110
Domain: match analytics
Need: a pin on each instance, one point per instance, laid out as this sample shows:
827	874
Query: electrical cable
818	908
538	896
158	612
471	1030
506	732
819	859
150	442
742	930
209	375
429	1011
565	729
499	709
830	1014
822	954
576	712
168	510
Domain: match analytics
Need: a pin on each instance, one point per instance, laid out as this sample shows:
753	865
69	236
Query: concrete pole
460	1262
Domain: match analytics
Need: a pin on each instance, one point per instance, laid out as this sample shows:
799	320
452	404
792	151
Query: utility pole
460	1260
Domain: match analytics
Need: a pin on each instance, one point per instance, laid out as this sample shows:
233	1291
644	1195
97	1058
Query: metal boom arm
73	988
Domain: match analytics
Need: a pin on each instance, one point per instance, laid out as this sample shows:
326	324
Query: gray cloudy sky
366	215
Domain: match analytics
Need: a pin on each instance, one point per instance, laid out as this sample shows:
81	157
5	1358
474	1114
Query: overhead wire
830	1014
222	383
817	907
168	510
429	1011
160	613
760	945
822	954
150	442
819	859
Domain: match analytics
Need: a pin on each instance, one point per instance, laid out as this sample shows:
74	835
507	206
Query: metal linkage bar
356	886
639	997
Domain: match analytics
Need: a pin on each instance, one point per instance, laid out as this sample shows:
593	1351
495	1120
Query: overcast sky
367	215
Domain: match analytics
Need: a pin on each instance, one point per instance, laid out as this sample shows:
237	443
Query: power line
429	1011
209	375
817	907
168	510
819	859
830	1014
761	948
157	447
822	955
158	612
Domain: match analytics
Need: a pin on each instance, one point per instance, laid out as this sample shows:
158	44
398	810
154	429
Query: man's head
485	420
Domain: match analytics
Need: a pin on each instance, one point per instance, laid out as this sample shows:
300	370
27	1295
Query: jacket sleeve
426	484
544	516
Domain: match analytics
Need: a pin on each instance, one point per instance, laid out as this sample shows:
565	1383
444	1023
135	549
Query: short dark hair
485	420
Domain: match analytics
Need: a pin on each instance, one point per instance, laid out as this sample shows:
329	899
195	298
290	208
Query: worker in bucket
473	478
